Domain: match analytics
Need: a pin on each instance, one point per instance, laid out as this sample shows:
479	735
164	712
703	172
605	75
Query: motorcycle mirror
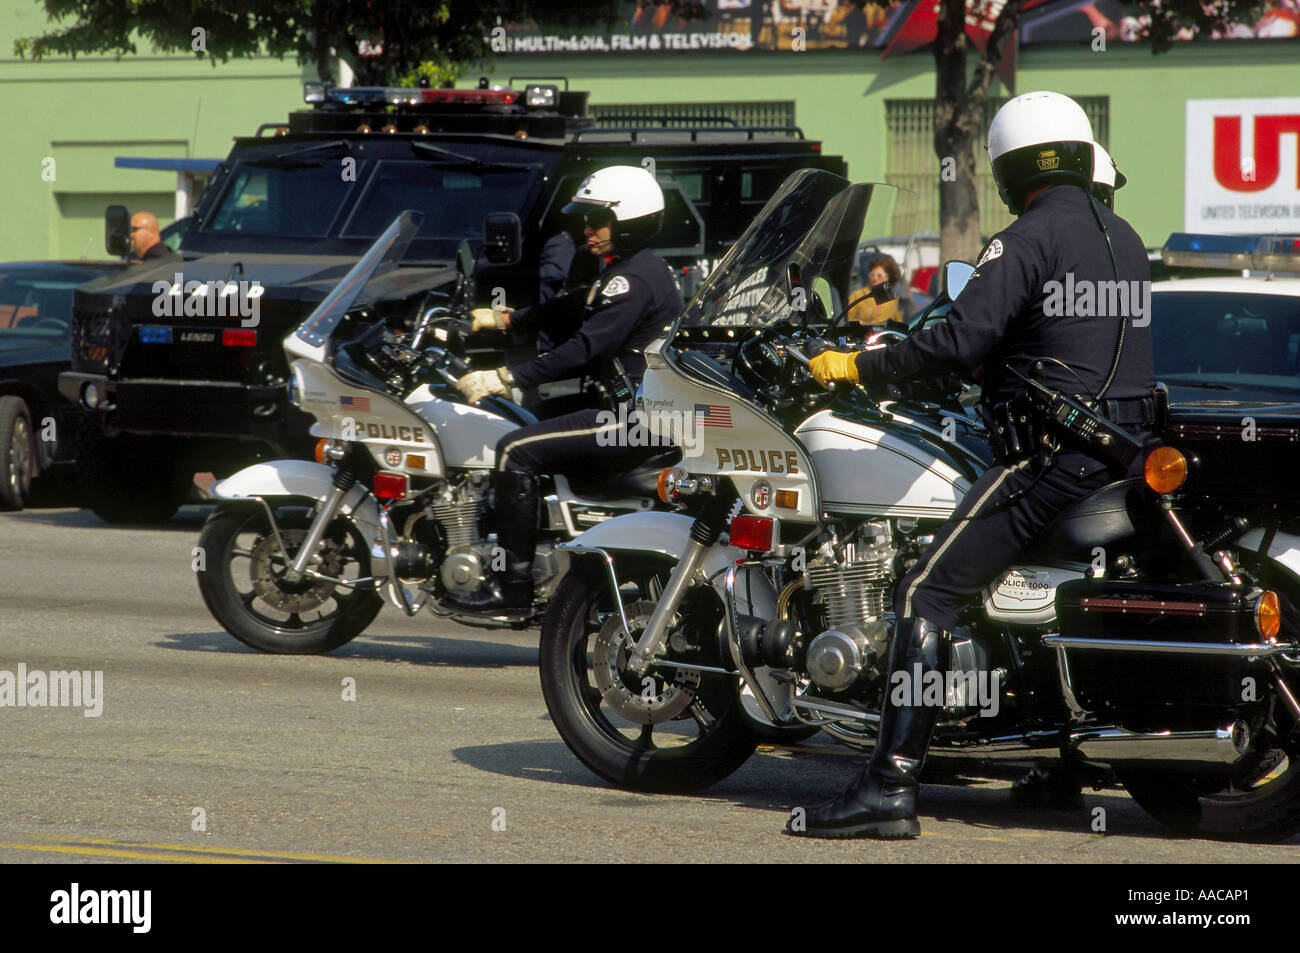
955	276
882	293
503	238
117	230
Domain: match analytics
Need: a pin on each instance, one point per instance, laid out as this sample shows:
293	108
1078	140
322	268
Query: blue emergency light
1266	253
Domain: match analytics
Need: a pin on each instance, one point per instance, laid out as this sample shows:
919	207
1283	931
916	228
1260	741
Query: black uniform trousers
585	443
987	534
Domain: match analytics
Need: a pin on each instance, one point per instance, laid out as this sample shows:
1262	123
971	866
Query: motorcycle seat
1102	517
640	481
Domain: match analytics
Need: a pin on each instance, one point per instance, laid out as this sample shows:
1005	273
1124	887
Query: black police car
37	425
171	389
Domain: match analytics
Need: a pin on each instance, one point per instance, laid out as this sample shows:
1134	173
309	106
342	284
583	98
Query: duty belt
1131	410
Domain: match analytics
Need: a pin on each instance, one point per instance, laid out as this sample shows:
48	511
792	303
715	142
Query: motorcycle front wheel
667	730
240	568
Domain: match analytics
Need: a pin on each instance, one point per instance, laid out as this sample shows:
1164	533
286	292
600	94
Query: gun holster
1016	429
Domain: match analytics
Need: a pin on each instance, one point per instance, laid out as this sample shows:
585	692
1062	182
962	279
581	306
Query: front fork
704	533
343	481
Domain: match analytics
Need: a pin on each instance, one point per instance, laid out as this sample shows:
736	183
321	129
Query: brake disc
268	563
646	699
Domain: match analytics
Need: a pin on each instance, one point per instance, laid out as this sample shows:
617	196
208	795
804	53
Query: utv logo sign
1242	166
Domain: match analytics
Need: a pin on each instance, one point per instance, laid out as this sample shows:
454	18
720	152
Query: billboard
699	25
1242	166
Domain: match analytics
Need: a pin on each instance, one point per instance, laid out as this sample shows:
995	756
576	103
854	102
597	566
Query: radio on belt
1094	431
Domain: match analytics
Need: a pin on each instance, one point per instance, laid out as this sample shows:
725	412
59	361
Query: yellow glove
489	319
830	366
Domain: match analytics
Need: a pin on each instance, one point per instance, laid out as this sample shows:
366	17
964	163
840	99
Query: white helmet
1039	139
631	194
1106	176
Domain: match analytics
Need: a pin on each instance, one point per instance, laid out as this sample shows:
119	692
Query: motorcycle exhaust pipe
1220	748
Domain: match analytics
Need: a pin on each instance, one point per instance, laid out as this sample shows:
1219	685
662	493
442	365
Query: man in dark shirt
1060	296
146	242
600	334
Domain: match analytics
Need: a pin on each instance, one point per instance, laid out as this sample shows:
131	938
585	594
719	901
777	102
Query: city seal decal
617	285
993	251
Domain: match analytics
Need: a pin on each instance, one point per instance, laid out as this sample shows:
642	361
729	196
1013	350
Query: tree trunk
958	110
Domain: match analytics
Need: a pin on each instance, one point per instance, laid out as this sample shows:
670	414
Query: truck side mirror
117	230
503	238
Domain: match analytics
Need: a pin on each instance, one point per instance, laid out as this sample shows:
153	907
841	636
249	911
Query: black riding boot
881	803
510	590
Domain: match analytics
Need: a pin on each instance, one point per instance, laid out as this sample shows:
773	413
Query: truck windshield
454	198
299	201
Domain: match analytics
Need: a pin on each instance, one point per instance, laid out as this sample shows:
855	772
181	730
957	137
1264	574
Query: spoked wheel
669	729
243	585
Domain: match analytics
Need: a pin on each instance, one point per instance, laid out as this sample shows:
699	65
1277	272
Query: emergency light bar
534	96
1267	253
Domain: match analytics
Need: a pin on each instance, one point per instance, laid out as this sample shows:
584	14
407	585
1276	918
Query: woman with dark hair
881	269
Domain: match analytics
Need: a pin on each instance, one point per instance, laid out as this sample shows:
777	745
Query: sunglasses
598	219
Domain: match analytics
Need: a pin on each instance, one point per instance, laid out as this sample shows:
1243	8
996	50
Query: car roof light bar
1267	253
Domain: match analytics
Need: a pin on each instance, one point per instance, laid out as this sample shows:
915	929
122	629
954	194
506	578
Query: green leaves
386	42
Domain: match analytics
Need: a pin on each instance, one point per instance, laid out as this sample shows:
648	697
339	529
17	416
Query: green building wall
840	97
83	113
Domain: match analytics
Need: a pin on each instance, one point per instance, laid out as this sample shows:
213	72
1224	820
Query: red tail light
390	486
235	337
753	533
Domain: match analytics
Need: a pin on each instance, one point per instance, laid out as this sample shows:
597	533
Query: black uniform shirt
1043	287
632	303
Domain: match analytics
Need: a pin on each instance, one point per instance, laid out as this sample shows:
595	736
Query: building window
913	165
757	113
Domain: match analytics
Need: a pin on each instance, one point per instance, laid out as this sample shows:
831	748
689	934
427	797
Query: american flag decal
360	405
713	415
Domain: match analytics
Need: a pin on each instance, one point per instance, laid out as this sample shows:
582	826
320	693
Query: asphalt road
447	742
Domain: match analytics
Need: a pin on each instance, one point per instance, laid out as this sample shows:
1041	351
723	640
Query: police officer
631	303
1010	316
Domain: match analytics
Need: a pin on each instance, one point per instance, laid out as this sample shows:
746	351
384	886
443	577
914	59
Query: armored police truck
178	363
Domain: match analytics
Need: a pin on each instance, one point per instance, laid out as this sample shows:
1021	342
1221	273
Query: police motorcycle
299	557
1150	640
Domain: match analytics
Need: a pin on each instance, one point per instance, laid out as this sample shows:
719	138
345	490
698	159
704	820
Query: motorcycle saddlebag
1240	454
1154	682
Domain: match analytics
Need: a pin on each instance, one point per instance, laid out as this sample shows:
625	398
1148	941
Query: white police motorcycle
1165	665
299	557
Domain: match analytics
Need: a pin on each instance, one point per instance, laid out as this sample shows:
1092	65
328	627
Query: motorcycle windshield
802	254
379	259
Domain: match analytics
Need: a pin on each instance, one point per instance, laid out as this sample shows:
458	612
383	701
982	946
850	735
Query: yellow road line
127	854
191	852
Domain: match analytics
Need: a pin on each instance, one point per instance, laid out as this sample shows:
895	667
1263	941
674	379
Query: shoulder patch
618	285
993	251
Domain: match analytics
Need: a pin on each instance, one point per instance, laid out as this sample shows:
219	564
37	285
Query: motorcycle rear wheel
1261	805
687	751
240	579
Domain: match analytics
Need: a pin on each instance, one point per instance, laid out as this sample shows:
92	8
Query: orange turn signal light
663	492
1165	469
320	450
1268	616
